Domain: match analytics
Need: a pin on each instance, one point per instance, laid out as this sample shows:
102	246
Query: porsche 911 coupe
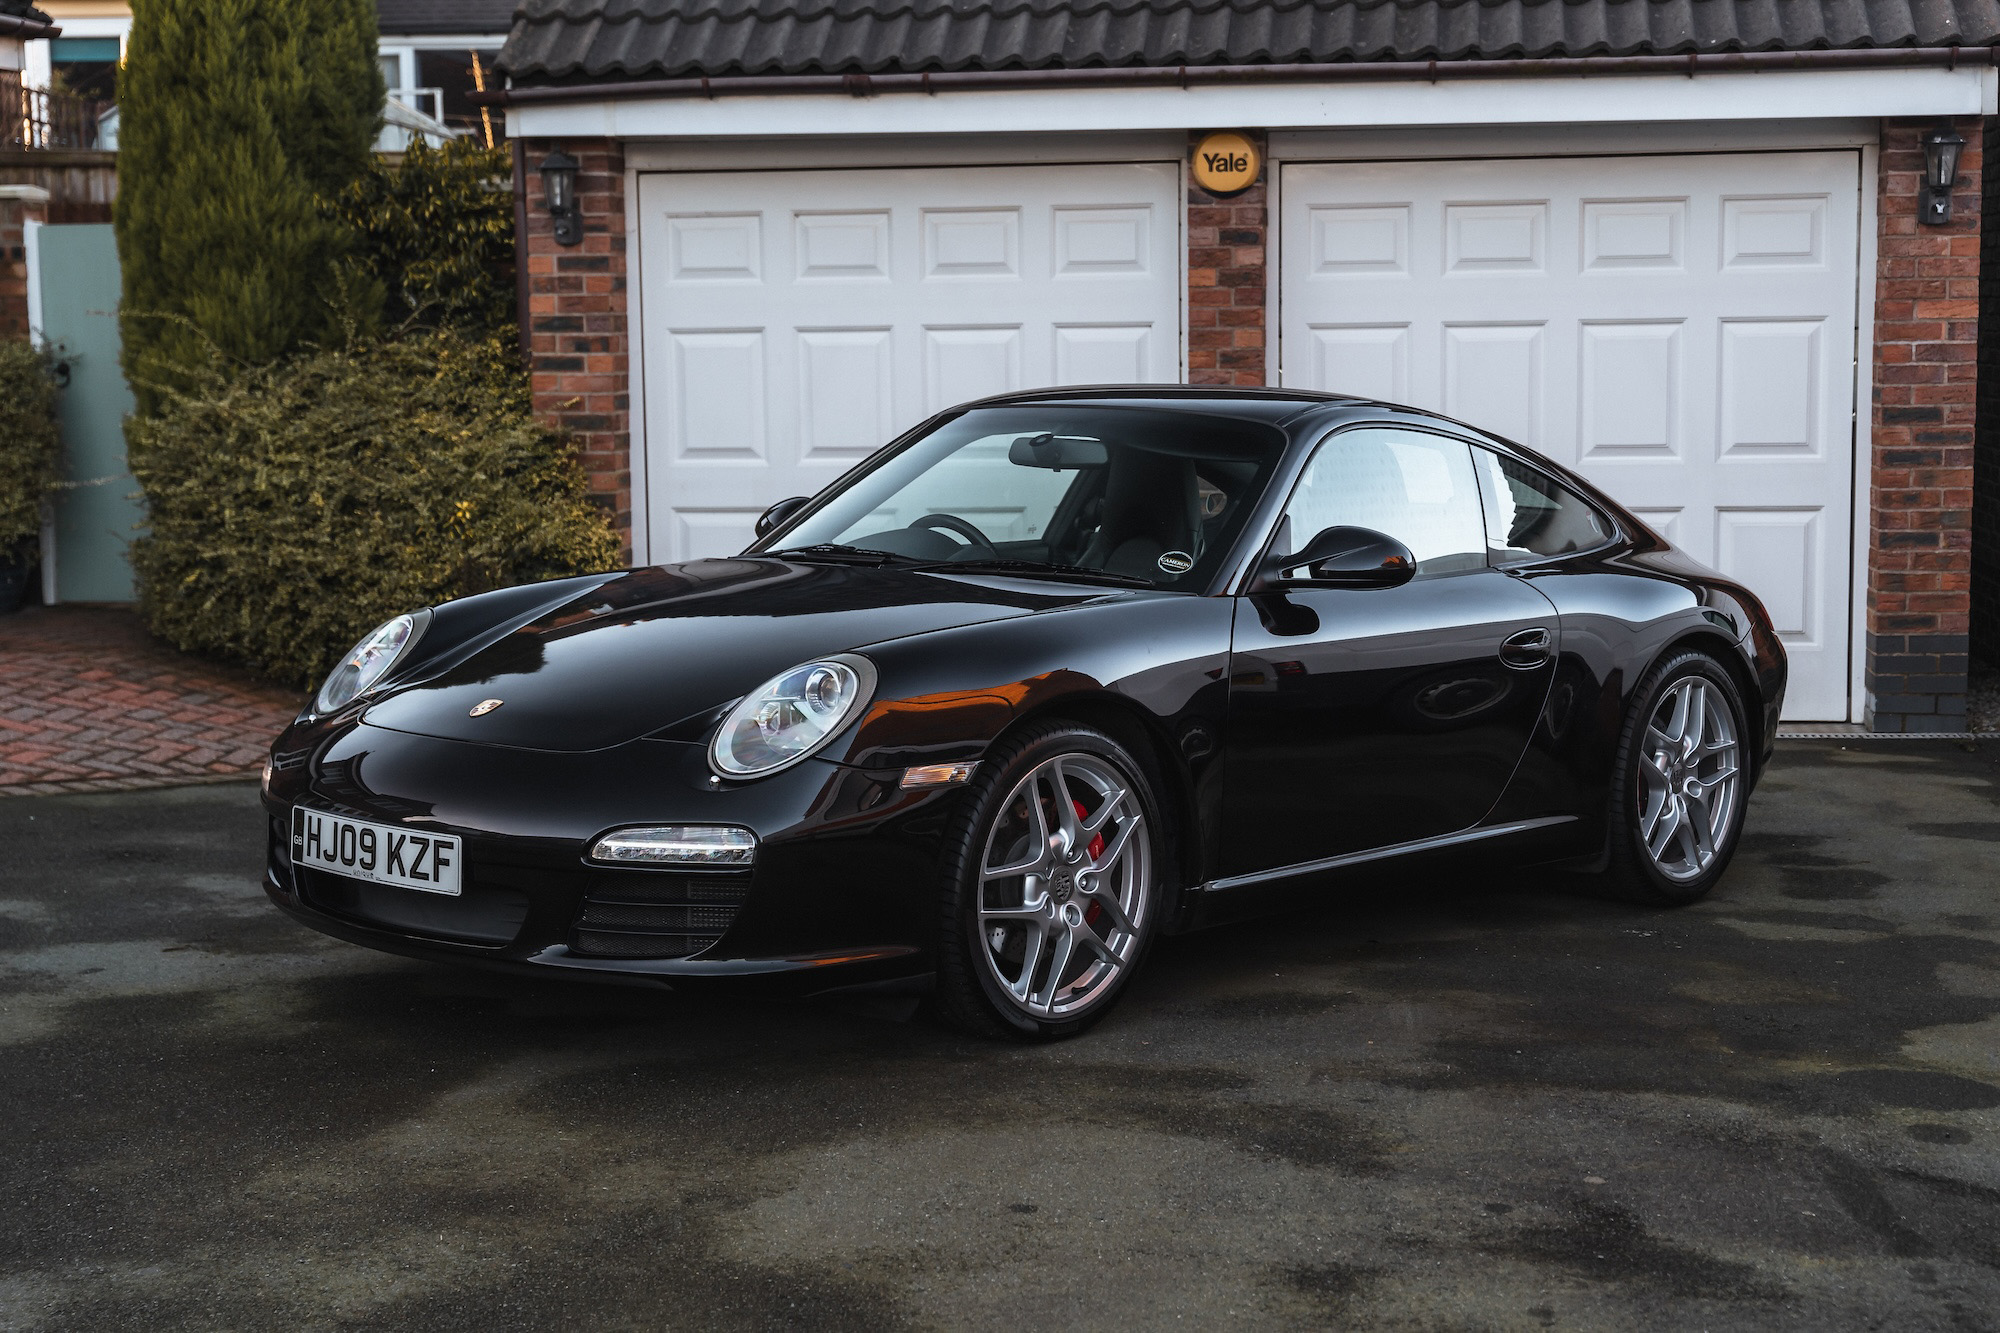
1050	675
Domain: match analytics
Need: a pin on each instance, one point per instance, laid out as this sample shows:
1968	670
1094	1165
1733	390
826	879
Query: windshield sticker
1176	562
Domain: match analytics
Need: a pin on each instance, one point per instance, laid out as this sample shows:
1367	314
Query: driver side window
1415	487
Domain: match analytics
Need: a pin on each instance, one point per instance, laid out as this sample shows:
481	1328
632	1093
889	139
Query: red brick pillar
1225	270
578	346
1920	497
19	205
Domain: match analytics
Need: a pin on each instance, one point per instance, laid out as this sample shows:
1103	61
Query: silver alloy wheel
1688	772
1059	922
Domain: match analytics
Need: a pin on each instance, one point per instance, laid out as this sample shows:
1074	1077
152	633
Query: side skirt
1439	843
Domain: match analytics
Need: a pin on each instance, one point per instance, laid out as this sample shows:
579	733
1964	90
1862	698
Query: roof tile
583	40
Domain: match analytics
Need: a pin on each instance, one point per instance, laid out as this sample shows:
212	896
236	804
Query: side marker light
939	775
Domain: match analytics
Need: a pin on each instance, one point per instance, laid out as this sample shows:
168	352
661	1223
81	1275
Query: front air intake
658	914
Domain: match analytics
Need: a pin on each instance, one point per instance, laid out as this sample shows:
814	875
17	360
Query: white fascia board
1788	94
120	27
448	41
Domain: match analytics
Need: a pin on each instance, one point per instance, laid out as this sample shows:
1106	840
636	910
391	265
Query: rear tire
1680	784
1049	904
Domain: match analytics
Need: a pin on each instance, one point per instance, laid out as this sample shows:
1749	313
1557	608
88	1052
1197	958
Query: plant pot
16	568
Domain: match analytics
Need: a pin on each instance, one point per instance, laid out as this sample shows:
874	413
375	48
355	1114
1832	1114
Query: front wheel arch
1142	735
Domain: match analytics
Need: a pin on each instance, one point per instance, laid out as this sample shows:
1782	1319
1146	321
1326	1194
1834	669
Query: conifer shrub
30	448
237	117
297	504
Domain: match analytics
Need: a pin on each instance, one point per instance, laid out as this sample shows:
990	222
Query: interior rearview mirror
1344	557
1057	452
768	521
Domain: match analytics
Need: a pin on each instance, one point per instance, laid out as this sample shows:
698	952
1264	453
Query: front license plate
427	862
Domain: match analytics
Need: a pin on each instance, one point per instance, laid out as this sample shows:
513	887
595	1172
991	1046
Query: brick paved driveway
89	702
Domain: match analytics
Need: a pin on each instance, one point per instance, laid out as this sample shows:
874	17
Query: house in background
435	55
1720	256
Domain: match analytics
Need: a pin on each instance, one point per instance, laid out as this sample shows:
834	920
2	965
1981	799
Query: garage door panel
1493	375
1787	232
1624	236
709	248
842	247
1630	389
793	322
1103	242
1679	329
1101	353
1357	242
1771	376
718	377
1777	551
972	243
846	393
699	531
1496	238
1369	360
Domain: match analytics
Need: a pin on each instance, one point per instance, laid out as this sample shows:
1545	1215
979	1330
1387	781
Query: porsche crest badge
485	706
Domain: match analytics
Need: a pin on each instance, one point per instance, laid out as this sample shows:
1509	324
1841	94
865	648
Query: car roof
1277	407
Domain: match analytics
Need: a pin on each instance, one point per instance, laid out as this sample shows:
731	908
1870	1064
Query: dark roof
399	18
562	40
22	9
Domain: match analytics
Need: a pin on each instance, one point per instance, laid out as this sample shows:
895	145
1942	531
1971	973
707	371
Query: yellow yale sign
1226	162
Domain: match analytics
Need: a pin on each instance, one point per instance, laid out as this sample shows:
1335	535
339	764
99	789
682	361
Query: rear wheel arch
1729	656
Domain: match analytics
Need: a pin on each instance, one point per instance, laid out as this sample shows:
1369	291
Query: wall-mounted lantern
1941	147
559	191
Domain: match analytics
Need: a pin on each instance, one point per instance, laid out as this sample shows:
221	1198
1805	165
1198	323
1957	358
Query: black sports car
1049	675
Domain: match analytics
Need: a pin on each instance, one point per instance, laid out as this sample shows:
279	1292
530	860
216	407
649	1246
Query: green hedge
435	235
30	449
294	506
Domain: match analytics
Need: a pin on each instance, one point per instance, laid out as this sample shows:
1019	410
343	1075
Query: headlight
790	716
367	663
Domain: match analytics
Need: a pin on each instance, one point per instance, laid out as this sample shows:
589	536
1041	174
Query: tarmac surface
1431	1104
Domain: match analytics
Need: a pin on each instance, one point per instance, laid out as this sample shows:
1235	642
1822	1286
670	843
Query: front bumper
842	893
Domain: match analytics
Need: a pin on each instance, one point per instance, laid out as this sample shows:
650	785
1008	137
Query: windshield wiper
1036	567
834	551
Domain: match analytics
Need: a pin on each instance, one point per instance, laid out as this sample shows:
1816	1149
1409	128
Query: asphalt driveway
1436	1105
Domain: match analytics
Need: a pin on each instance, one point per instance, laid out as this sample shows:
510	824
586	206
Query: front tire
1053	886
1678	799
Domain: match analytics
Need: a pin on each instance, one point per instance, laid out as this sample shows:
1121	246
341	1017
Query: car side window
1529	516
1416	487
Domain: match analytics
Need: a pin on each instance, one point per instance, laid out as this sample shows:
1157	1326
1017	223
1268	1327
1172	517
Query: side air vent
649	914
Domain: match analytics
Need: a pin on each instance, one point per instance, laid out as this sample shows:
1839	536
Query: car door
1361	718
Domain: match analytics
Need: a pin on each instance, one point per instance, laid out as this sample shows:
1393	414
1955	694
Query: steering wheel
954	523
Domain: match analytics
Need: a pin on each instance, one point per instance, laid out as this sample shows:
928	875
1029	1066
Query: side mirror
768	521
1346	557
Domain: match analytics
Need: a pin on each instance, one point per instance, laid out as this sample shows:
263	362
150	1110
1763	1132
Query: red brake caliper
1096	849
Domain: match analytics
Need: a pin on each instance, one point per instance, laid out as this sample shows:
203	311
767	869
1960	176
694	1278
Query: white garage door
794	321
1681	330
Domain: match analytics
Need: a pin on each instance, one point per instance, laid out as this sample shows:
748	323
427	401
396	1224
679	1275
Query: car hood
658	646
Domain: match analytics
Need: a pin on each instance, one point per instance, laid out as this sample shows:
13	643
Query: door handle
1527	649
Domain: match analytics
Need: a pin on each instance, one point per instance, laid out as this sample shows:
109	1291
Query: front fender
1151	667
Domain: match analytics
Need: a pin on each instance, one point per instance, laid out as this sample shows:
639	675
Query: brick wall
1920	502
1986	449
578	348
14	213
1225	240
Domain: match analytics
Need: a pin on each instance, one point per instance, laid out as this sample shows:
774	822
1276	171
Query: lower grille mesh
658	915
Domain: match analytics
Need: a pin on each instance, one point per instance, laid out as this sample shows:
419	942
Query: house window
86	66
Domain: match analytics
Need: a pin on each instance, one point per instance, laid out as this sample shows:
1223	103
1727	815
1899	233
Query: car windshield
1133	494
